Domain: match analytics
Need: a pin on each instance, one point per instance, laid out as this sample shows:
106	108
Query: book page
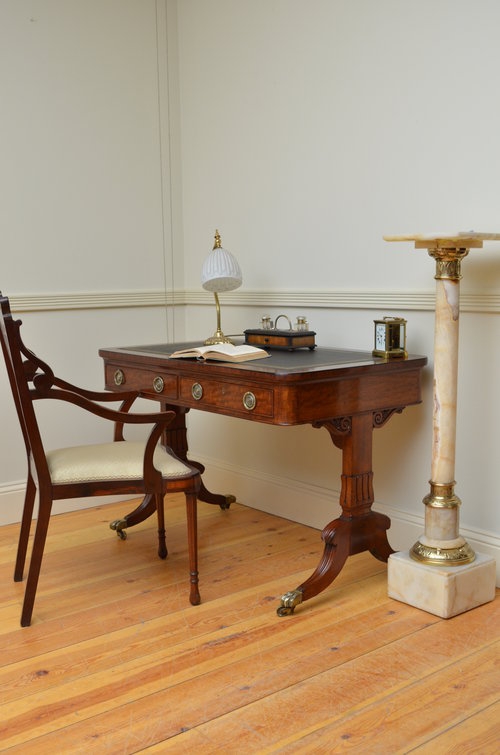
221	351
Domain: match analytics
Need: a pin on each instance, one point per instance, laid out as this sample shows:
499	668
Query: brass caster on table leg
229	500
288	602
119	526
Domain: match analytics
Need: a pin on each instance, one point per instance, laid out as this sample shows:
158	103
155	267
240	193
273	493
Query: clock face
380	337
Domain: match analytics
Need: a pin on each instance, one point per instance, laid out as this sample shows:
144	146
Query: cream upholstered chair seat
122	460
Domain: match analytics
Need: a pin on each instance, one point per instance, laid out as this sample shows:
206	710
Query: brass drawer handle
196	391
118	377
158	384
249	400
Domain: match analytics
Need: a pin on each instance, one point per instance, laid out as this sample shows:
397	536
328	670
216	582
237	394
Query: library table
349	393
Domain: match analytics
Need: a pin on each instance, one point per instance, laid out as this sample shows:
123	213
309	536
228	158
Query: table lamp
220	272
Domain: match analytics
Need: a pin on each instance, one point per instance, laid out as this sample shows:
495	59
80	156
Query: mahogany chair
120	467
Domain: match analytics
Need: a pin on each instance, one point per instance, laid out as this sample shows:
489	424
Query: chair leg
160	513
192	528
45	508
22	546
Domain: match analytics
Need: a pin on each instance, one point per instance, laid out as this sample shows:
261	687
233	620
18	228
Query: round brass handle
196	391
249	400
119	377
158	384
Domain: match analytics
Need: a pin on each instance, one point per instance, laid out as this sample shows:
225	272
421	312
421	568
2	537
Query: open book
225	352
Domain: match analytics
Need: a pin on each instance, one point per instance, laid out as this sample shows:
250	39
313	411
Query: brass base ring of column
442	496
443	556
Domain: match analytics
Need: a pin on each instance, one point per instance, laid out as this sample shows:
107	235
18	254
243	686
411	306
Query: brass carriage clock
390	338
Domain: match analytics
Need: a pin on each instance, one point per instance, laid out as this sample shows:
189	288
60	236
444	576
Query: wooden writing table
347	392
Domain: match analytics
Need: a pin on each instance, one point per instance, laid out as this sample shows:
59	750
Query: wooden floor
116	659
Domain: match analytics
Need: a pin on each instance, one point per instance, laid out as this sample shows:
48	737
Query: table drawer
154	382
226	397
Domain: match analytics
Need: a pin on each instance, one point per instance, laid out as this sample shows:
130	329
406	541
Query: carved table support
358	528
176	439
441	544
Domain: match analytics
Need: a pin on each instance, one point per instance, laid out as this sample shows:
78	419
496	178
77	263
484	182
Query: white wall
310	130
89	255
80	146
131	129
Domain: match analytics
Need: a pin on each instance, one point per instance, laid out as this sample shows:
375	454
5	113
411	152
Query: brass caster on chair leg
119	526
288	602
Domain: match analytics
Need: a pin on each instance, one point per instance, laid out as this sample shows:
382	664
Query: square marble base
444	591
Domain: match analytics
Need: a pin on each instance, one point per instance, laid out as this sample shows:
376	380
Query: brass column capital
448	262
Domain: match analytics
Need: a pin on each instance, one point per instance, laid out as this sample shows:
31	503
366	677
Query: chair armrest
114	415
127	398
96	395
153	479
69	392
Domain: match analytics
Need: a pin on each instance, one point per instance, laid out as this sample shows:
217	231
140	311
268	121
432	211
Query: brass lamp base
218	337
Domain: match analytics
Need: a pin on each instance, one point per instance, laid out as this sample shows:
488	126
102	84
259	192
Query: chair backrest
25	372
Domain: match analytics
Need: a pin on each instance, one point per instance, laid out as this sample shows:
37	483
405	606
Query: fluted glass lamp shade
220	272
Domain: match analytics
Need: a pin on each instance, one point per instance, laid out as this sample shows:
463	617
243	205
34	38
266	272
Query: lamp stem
217	309
218	336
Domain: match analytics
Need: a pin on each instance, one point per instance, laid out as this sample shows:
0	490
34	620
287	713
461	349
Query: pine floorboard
117	660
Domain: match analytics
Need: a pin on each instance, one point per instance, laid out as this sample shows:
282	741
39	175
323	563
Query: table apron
275	401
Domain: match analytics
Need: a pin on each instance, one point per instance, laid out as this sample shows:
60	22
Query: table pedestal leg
358	528
176	439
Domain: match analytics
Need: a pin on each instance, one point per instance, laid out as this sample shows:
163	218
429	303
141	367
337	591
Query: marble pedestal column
441	573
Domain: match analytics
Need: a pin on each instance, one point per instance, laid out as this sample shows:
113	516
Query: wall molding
377	300
94	300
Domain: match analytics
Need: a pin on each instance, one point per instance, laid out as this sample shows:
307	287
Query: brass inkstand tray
288	340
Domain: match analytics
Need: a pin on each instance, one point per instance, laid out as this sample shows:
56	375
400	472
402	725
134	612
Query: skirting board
315	506
311	505
12	500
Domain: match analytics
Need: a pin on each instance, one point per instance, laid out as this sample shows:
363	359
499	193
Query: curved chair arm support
124	407
153	480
